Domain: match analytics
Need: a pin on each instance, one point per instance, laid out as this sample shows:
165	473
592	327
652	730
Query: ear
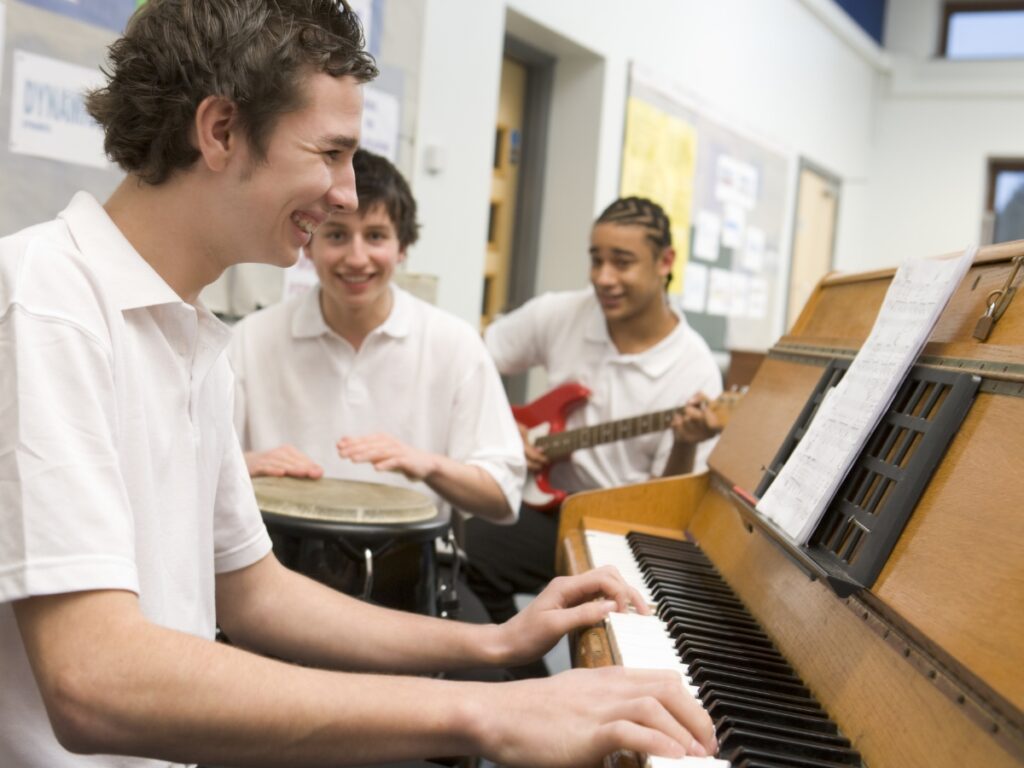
665	259
217	135
402	254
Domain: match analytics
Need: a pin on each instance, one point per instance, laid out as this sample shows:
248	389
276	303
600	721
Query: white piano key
613	549
687	762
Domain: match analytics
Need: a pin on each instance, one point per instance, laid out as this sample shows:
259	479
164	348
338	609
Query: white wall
795	72
937	124
459	73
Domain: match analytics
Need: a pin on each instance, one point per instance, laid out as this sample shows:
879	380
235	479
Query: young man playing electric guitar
622	341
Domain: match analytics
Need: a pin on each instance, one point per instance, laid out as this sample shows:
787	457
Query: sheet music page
919	291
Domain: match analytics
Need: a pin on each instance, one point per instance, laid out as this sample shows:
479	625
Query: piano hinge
998	377
982	705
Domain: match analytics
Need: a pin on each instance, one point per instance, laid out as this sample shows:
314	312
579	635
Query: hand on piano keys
762	712
591	713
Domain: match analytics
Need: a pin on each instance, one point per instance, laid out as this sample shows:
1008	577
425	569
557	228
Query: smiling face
628	273
275	205
355	255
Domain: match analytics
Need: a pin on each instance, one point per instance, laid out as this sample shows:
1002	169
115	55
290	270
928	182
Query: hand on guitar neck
546	441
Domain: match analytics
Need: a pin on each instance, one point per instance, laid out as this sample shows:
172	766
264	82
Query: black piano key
686	591
732	738
683	603
733	707
748	682
713	668
681	585
682	564
658	572
806	709
697	646
720	618
745	757
784	731
679	626
766	697
691	653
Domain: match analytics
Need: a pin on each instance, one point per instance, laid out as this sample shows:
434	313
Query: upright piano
916	659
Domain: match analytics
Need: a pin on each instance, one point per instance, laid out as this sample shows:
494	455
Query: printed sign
48	117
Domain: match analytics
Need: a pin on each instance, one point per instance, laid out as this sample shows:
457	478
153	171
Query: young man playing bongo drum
128	526
358	379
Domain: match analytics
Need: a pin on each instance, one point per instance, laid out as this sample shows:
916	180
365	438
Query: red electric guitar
545	418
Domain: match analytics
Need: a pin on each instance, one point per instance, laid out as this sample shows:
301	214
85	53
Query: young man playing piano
622	340
359	380
128	526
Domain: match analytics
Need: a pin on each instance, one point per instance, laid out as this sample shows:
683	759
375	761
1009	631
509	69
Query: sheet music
919	291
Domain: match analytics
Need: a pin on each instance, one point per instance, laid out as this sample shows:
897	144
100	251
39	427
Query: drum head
341	501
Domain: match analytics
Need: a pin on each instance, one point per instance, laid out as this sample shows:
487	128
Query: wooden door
813	238
504	186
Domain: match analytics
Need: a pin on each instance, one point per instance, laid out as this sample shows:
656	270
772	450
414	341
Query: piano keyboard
764	716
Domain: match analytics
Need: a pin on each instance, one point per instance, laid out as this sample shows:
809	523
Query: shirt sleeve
240	536
516	341
483	432
65	516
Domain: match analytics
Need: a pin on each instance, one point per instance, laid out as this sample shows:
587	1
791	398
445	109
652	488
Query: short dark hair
175	53
641	212
378	182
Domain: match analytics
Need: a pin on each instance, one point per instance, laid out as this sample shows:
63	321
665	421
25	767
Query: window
1006	199
983	30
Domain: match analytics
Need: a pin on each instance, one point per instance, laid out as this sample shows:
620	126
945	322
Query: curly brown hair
257	53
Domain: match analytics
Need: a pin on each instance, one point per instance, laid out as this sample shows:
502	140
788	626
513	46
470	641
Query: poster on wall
658	157
111	14
735	214
48	117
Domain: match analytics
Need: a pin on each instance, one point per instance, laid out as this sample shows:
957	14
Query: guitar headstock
721	407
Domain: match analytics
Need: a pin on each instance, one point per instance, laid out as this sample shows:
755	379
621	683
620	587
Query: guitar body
546	416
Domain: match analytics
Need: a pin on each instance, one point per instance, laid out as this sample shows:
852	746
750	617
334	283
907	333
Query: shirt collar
308	321
128	279
653	362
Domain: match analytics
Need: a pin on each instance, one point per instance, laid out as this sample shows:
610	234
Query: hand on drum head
566	603
283	461
388	454
579	717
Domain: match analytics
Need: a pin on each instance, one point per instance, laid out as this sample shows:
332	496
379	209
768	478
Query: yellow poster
658	159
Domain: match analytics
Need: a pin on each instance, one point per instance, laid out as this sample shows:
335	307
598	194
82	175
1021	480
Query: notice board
727	194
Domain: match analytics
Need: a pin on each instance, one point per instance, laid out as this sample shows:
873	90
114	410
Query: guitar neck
561	444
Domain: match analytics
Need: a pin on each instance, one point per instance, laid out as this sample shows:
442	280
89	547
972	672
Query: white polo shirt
568	335
119	466
423	375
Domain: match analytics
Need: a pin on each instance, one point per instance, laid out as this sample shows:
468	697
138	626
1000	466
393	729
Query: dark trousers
506	560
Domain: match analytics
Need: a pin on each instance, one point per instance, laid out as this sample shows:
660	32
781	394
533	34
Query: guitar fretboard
563	443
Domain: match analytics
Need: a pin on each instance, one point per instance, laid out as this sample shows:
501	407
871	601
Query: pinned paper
707	235
695	288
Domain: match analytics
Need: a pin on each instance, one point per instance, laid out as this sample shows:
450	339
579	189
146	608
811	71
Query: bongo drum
370	540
